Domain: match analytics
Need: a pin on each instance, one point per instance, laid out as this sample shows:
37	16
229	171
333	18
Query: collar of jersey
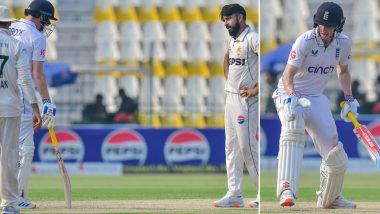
320	42
243	34
5	31
28	22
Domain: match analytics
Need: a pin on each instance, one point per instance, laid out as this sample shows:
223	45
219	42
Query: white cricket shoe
230	201
287	198
255	203
339	203
10	210
24	204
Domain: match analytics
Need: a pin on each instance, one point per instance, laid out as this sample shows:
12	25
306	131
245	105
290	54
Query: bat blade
369	142
366	138
62	169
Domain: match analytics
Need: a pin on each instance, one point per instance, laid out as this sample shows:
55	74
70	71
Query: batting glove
48	114
351	105
290	107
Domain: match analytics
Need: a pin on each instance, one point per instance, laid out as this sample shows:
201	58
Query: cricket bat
366	138
64	175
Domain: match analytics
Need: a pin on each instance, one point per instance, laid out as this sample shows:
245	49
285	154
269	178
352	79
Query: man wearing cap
241	113
14	71
315	56
32	31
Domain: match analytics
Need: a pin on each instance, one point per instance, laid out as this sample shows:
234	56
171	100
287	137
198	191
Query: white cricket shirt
14	66
315	62
243	61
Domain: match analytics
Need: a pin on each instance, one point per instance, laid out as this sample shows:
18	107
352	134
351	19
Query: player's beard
234	30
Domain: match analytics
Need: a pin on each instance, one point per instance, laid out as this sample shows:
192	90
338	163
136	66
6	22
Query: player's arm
226	63
40	80
25	78
287	79
344	79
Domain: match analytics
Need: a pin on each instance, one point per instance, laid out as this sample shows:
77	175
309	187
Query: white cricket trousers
241	121
9	134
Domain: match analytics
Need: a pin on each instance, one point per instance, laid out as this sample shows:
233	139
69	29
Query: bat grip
351	116
53	137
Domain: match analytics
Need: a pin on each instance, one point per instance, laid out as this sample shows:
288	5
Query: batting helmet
329	14
44	9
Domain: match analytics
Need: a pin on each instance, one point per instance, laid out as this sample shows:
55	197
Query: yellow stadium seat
172	119
152	121
215	119
127	13
102	14
171	14
195	119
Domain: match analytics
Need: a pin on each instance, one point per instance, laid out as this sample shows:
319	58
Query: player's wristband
350	98
294	94
46	101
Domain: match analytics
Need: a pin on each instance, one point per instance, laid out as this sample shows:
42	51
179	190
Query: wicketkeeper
315	56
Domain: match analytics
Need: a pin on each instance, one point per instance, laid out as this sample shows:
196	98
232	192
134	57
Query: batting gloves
290	107
351	105
48	113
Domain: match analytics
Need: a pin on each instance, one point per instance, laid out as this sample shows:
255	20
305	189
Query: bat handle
53	137
351	116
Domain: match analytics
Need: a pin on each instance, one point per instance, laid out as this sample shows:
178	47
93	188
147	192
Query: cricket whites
62	168
365	138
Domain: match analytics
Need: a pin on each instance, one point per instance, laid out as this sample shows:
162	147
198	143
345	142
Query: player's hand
48	114
290	108
36	117
351	105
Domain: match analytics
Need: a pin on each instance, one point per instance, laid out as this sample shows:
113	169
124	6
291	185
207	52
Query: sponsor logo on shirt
42	52
337	53
293	55
314	52
237	61
320	70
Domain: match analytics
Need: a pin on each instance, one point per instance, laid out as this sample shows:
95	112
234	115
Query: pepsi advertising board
140	146
271	128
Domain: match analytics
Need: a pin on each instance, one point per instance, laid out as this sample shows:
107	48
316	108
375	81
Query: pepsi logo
125	146
186	147
240	119
70	146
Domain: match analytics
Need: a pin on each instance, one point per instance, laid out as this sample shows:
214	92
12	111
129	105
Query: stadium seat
294	22
366	32
270	12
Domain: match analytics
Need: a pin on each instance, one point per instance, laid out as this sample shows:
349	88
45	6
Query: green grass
356	187
135	186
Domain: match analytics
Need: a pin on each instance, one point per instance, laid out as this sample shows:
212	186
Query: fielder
14	69
31	31
241	113
301	105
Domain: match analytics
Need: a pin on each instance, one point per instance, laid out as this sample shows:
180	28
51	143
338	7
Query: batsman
315	56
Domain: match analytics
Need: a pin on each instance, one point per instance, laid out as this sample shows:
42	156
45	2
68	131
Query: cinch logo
240	119
70	145
186	147
320	69
127	146
237	61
